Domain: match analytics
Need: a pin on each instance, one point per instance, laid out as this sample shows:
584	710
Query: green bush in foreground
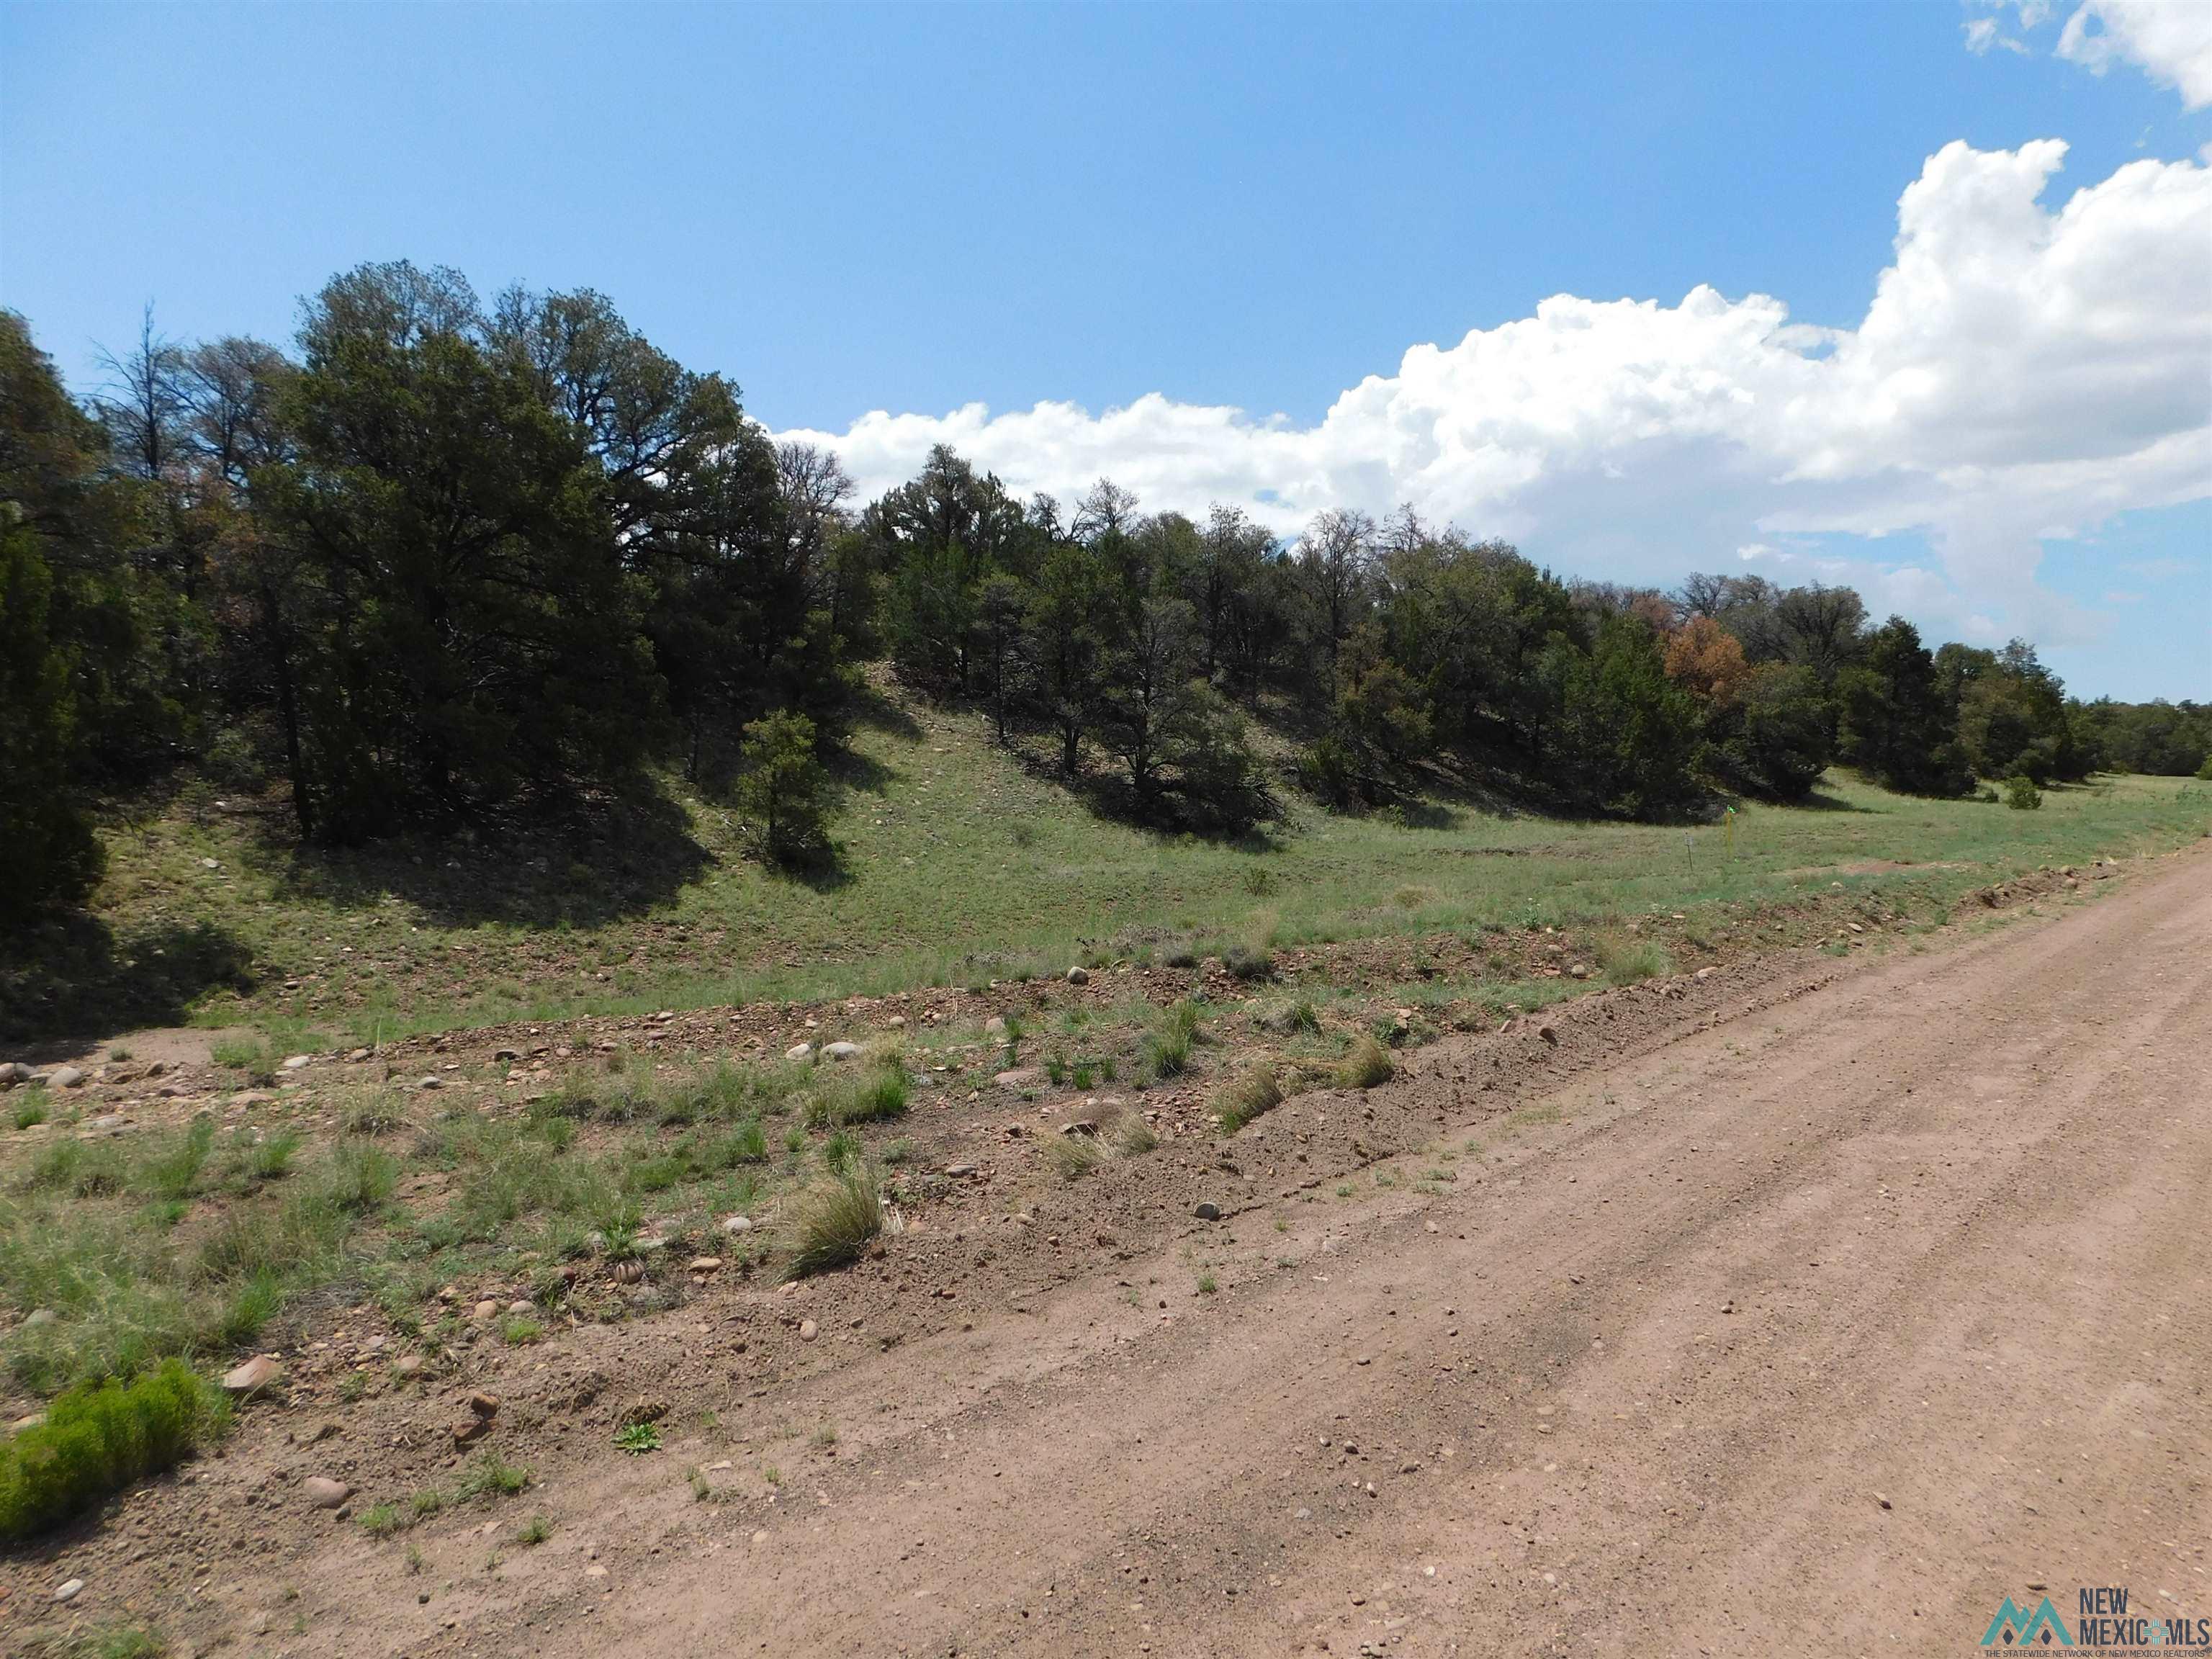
97	1439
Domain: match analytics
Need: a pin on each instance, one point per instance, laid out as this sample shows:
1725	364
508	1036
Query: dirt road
1824	1329
1819	1306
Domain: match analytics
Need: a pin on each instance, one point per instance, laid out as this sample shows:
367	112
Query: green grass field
959	865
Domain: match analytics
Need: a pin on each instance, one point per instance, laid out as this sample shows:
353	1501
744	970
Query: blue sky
917	210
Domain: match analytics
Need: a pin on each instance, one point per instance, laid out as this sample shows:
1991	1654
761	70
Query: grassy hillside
960	865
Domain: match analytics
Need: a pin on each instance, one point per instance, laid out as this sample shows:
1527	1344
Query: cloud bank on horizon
2025	371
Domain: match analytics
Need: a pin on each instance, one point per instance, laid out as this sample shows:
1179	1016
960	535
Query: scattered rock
485	1309
484	1404
897	1022
13	1072
70	1591
808	1330
64	1077
519	1306
470	1429
706	1264
1549	1033
1021	1076
798	1051
995	1026
407	1365
1208	1212
1078	975
430	1081
1709	973
737	1223
1879	1499
958	1170
841	1051
628	1272
250	1378
323	1492
1579	970
38	1316
298	1062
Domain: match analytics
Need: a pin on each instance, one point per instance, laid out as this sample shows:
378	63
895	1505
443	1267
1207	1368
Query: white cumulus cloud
2170	40
2024	371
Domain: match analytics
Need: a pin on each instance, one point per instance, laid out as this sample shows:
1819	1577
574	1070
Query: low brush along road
1825	1326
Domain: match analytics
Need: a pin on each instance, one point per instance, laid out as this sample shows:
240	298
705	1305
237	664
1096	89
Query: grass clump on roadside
1366	1065
129	1272
1073	1157
492	1476
875	1094
1168	1044
1629	961
1256	1090
830	1223
98	1439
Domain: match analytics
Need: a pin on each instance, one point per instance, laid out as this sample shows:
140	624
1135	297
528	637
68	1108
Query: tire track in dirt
1992	1153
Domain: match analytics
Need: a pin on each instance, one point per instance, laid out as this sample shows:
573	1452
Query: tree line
444	560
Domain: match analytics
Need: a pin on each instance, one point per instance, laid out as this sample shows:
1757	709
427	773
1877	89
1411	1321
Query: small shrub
1247	962
492	1476
1627	961
174	1173
248	1054
1256	1090
378	1115
520	1333
2021	794
1134	1137
1367	1065
536	1530
1166	1047
638	1438
382	1519
830	1223
98	1439
357	1178
877	1095
268	1159
32	1109
80	1168
1073	1157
